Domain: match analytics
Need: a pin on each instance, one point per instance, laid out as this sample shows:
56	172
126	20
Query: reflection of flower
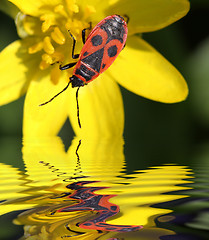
49	169
43	26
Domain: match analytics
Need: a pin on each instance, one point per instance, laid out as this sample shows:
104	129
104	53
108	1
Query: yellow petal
100	108
146	16
93	6
48	119
94	10
144	71
17	67
35	8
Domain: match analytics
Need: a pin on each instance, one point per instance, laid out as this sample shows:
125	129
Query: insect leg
79	122
84	32
127	18
74	56
69	65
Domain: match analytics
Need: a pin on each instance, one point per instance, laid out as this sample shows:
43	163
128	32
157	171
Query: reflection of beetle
100	49
90	201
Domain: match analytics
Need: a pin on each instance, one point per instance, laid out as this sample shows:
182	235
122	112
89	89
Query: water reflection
85	193
190	218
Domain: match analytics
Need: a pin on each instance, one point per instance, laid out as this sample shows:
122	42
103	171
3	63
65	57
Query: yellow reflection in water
49	168
12	187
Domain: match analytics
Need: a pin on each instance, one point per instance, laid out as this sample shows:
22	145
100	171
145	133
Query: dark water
86	193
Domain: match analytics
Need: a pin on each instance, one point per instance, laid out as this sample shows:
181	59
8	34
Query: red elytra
100	50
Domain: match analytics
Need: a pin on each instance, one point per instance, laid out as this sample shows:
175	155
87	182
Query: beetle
100	50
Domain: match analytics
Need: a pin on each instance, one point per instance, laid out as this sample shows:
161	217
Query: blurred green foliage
11	114
154	132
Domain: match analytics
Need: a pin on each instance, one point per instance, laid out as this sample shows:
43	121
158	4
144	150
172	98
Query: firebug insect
100	50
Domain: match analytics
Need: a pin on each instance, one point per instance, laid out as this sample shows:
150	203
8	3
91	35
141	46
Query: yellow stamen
32	25
55	75
88	11
72	6
35	48
75	8
75	27
47	58
43	65
47	22
58	57
68	24
57	36
48	47
53	27
60	9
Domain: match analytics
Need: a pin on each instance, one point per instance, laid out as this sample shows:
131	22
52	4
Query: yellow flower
25	65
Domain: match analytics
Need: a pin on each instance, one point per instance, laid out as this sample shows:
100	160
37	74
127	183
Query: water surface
86	192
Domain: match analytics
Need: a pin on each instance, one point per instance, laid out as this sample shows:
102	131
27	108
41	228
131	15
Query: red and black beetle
100	50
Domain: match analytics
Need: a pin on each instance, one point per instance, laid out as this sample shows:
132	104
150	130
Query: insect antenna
79	122
56	94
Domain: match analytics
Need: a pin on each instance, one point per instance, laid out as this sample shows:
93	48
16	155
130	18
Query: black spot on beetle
110	228
85	53
96	40
113	208
87	224
103	65
112	51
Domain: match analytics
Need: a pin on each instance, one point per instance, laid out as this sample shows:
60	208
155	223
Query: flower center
49	33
